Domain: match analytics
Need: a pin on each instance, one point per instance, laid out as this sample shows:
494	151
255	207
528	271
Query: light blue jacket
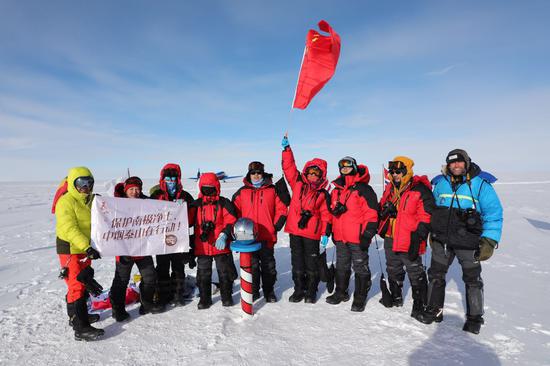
478	194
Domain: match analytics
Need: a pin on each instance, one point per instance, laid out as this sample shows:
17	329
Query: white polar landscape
34	325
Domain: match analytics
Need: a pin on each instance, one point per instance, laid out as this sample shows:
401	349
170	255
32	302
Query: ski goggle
313	171
170	179
84	183
398	171
208	190
397	167
254	172
346	163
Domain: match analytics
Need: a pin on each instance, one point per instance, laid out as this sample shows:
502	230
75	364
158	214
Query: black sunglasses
398	171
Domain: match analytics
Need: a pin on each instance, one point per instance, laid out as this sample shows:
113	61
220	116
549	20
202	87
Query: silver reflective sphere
244	229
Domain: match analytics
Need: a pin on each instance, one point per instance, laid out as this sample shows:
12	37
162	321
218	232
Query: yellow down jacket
74	216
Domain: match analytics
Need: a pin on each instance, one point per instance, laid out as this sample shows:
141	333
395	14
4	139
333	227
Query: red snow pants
74	263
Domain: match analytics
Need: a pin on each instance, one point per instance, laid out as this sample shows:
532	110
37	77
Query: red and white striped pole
247	301
246	249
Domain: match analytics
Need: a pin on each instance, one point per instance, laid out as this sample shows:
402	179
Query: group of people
460	215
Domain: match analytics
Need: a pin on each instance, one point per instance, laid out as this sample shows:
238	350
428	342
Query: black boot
420	296
299	292
473	324
205	291
362	287
146	299
118	306
396	293
178	283
92	318
434	307
312	280
83	331
268	283
226	290
474	307
341	292
164	292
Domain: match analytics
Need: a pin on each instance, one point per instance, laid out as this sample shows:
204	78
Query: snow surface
34	327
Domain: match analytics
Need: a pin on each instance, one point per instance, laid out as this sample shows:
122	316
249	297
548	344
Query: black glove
414	247
86	276
365	240
486	249
388	210
91	253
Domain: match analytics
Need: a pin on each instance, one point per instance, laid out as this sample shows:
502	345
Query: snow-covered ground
34	329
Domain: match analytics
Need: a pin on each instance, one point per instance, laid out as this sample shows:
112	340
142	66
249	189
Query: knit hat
458	155
133	182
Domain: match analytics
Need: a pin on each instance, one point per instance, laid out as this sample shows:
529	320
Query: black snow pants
174	285
123	271
304	254
264	267
471	275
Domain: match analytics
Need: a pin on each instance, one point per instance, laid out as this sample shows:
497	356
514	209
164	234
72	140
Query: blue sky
209	85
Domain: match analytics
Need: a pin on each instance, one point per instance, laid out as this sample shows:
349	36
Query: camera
472	220
339	209
206	228
305	215
388	210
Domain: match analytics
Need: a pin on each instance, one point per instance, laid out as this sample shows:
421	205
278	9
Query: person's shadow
450	345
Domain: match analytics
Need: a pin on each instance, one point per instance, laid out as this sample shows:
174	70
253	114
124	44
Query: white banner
139	227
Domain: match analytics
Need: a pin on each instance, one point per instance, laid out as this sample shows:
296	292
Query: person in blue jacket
467	224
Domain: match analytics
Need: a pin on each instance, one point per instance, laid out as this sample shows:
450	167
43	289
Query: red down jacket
360	220
263	206
413	213
217	209
306	196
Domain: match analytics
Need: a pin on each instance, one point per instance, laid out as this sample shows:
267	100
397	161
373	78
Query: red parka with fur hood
307	197
219	210
181	195
359	222
414	206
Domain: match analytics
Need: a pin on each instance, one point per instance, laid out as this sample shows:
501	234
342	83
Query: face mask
171	188
257	183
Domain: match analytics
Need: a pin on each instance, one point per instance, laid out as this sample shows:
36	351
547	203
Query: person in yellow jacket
73	231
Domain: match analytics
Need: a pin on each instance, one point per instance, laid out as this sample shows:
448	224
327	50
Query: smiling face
133	192
457	168
346	170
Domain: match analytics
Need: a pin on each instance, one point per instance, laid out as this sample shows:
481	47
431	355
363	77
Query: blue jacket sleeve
491	212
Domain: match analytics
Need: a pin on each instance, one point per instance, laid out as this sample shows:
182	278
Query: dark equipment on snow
305	215
206	228
86	276
339	209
